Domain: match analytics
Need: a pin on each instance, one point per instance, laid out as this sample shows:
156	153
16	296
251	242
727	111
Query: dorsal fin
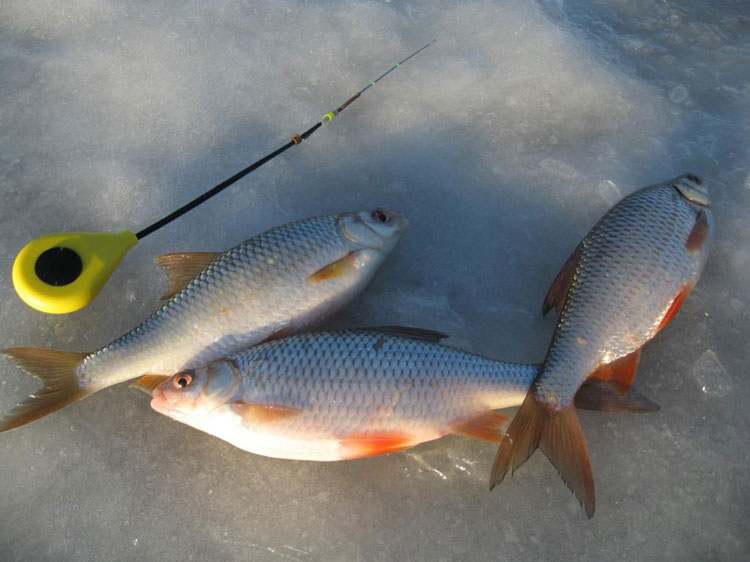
561	285
621	371
279	333
183	267
409	332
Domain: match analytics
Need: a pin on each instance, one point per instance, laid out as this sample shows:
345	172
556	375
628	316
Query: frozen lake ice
503	144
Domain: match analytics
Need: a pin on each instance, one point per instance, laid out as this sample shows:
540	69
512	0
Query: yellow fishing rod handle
63	272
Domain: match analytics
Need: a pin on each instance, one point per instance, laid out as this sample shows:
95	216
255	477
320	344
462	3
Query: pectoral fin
256	414
336	270
183	267
699	234
147	383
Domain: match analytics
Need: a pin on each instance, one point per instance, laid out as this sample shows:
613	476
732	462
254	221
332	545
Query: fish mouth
159	400
692	187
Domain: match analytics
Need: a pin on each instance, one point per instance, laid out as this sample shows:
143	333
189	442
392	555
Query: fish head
376	230
197	391
693	188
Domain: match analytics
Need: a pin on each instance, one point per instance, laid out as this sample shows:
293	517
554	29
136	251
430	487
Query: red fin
254	414
57	371
181	268
621	371
675	307
561	285
609	397
337	269
147	383
409	332
369	444
559	436
698	235
487	426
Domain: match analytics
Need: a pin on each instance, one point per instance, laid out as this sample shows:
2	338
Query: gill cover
198	390
377	230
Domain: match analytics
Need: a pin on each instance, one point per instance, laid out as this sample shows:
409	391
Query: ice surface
503	144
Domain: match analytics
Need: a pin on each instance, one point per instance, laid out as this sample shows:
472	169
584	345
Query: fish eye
695	179
183	380
381	216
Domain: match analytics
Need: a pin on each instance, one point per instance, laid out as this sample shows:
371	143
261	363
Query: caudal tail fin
57	370
559	436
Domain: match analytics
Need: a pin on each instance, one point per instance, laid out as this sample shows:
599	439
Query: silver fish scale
632	264
245	295
355	378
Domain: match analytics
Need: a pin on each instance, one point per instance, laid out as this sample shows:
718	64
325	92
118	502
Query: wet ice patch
678	94
442	462
608	190
558	168
711	376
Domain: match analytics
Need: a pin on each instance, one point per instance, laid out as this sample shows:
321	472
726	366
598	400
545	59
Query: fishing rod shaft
222	186
296	139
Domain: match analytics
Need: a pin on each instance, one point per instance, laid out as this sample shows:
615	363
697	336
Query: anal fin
183	267
487	426
561	285
622	371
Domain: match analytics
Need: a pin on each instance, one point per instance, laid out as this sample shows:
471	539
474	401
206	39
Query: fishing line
295	140
62	272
